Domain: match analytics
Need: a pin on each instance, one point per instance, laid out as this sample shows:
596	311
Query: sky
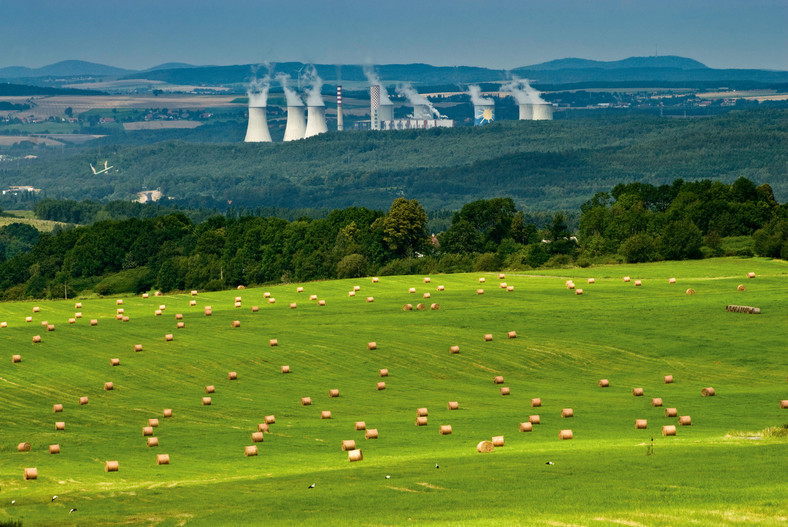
501	34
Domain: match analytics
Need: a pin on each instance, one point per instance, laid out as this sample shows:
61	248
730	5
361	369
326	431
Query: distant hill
20	90
668	61
171	66
66	68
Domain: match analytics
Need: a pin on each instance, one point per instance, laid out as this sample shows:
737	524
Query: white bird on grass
312	486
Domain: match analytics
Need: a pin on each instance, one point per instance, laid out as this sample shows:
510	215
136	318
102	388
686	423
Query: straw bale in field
372	345
374	279
444	430
481	280
441	288
206	401
567	412
671	412
590	280
152	441
60	425
355	455
510	288
83	400
31	473
641	423
578	291
24	447
707	392
741	287
235	324
454	349
526	427
360	425
480	291
512	334
565	434
36	309
54	449
453	405
28	319
784	403
36	339
638	283
108	386
272	300
157	293
168	337
668	430
57	408
163	459
145	295
273	342
426	279
78	305
194	292
370	299
604	383
411	290
407	307
356	288
241	287
685	420
383	372
671	280
488	337
498	379
137	347
656	401
502	285
232	376
299	289
5	324
505	390
534	419
371	433
637	392
381	386
16	358
348	444
306	401
485	447
668	379
570	285
422	412
120	311
321	302
77	315
293	305
167	412
257	437
270	420
93	322
312	297
421	421
497	441
690	291
426	295
536	402
435	307
421	307
750	275
153	422
266	295
325	414
501	276
147	431
333	392
71	321
285	368
626	279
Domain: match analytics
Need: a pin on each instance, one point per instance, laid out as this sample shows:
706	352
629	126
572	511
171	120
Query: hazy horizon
499	34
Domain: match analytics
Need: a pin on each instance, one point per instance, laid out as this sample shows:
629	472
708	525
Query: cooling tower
483	114
526	112
296	126
542	112
421	111
257	130
315	121
386	112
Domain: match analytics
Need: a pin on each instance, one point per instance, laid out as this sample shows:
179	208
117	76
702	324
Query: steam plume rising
313	95
257	90
292	97
476	96
374	80
416	99
522	91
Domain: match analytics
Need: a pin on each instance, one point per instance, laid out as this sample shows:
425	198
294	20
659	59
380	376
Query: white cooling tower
257	130
421	111
296	125
315	121
386	112
526	112
542	112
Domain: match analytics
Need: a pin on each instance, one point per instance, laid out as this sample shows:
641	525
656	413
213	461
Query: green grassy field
722	470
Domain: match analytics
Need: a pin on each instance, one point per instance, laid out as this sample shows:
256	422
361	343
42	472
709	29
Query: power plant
315	121
296	125
483	107
542	112
526	111
340	123
257	130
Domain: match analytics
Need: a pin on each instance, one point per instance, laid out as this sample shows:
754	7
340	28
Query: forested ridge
632	222
542	165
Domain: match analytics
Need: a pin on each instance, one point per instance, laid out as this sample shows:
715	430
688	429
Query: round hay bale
57	408
370	299
16	358
578	292
426	279
641	424
565	434
118	317
120	311
512	334
321	302
501	276
604	383
79	315
273	342
426	295
286	368
192	303
502	285
168	337
147	431
488	337
152	441
293	305
83	401
626	279
707	392
637	392
299	289
31	473
269	420
28	319
178	316
421	307
348	444
741	287
497	441
36	309
536	402
656	401
257	437
137	347
206	401
207	312
534	419
54	449
480	291
505	390
306	401
371	433
668	379
526	427
241	287
235	324
570	285
750	275
374	279
668	430
638	283
355	455
145	295
454	349
441	288
194	292
690	291
421	421
60	425
485	447
498	379
422	412
383	372
325	414
210	388
356	288
567	412
671	412
453	405
154	422
78	305
167	412
407	307
312	297
444	430
232	376
509	288
360	425
162	307
157	313
70	321
272	300
266	295
381	386
671	280
24	447
5	324
481	280
180	325
590	280
372	345
108	386
685	420
163	459
333	392
784	403
411	290
37	339
157	293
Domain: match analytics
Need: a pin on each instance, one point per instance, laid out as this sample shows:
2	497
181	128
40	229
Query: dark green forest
167	250
541	165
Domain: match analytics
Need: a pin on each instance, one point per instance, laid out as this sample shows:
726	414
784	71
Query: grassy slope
26	216
565	343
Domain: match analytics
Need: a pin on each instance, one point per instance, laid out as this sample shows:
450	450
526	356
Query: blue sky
137	34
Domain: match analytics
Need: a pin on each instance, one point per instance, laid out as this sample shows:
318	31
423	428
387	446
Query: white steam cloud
292	97
416	99
257	90
476	96
374	80
522	91
313	92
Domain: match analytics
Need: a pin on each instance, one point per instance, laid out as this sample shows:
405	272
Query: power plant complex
424	115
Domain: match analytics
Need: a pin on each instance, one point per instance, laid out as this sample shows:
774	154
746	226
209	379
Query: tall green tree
405	227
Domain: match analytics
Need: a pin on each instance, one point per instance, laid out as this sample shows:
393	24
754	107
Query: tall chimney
374	100
340	124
